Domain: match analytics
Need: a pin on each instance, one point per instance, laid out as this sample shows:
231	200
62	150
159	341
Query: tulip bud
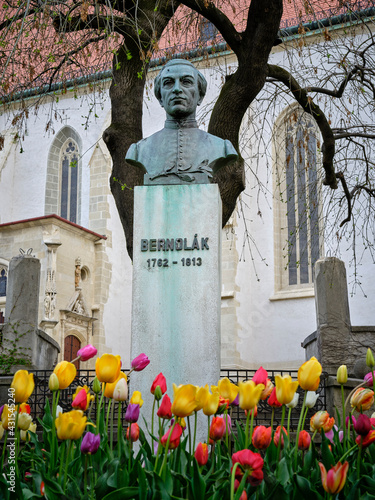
53	382
24	421
1	431
140	362
165	410
311	399
294	401
370	361
276	436
363	425
158	394
201	454
217	428
132	413
262	436
87	352
304	440
90	443
342	374
96	386
132	433
120	392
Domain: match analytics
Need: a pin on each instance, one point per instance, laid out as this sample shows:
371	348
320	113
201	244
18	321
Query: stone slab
176	292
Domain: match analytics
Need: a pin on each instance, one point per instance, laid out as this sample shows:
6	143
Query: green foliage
11	353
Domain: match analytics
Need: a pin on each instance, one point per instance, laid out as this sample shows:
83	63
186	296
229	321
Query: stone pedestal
176	286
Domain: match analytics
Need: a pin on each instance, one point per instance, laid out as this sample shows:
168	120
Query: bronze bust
180	153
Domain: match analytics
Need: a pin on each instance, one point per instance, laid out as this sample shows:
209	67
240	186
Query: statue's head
180	88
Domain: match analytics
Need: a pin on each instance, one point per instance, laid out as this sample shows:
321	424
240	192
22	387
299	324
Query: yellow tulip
342	374
109	388
66	372
70	425
250	393
23	386
362	399
108	368
211	405
25	436
8	417
309	375
1	431
227	390
184	400
285	388
136	399
201	397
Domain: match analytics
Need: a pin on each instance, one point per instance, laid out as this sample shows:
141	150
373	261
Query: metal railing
41	393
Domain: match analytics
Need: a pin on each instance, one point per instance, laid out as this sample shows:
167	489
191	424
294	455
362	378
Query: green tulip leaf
283	472
197	484
127	493
327	457
306	489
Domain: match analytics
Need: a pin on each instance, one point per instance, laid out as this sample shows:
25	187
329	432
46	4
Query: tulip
273	401
24	408
42	488
175	437
87	352
251	461
294	401
334	481
120	392
110	387
184	400
24	421
321	420
53	382
132	413
362	425
217	428
1	410
342	374
158	394
262	437
309	375
1	431
236	401
369	379
254	410
268	390
23	385
70	425
140	362
132	433
136	399
212	404
90	443
165	409
107	368
236	486
223	405
330	434
227	390
311	399
352	420
81	399
362	399
8	417
25	435
96	386
160	381
285	388
304	440
201	397
260	377
66	372
276	436
201	454
249	394
370	361
367	440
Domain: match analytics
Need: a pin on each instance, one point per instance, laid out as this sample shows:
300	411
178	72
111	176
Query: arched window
3	281
298	231
63	191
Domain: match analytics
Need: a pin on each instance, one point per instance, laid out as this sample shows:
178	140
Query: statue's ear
200	100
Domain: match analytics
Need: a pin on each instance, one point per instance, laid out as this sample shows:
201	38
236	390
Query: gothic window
298	235
63	186
3	281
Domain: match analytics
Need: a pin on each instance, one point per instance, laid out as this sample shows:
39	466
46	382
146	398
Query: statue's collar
189	123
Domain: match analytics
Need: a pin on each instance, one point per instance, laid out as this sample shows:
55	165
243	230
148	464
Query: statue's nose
176	87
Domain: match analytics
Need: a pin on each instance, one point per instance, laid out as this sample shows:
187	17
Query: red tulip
334	481
276	436
140	362
262	437
165	408
132	433
363	425
260	376
273	401
161	382
80	401
304	440
367	440
251	461
201	454
217	428
175	438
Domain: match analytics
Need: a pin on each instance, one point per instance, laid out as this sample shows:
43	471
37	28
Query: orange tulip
334	481
201	454
262	437
362	399
304	440
321	420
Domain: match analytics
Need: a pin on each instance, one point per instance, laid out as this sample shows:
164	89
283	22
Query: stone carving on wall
50	288
77	274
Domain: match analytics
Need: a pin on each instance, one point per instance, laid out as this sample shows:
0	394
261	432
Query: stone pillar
176	285
23	290
332	313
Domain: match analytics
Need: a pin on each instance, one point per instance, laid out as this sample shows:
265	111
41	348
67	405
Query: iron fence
41	393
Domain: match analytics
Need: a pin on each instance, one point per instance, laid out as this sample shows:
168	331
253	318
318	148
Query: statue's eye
167	83
188	82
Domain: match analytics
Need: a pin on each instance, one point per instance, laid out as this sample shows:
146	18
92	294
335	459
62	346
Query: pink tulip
140	362
87	352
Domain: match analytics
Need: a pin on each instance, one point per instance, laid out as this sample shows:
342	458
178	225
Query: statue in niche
77	273
180	153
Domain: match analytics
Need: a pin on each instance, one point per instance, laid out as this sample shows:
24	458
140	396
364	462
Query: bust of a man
180	153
